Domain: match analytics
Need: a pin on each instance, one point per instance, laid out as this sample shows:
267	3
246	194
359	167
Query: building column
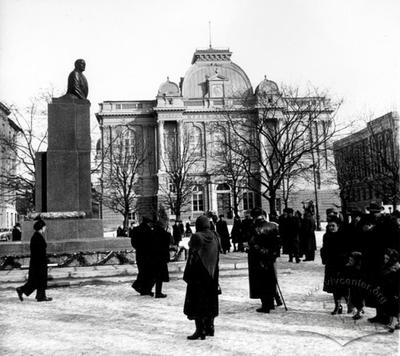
179	128
160	145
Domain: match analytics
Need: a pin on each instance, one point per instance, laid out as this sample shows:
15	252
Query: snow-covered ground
114	320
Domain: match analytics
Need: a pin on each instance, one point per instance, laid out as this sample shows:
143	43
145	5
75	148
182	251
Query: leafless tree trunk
121	177
179	161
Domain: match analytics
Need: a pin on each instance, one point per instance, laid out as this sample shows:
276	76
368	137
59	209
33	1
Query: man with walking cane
262	252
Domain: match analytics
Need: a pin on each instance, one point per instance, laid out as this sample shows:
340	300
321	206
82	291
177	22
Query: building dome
168	88
267	87
214	65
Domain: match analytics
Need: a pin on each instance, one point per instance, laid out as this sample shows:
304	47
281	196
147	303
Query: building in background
8	131
184	116
367	164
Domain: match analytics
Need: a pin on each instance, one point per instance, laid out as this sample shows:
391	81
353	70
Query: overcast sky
349	47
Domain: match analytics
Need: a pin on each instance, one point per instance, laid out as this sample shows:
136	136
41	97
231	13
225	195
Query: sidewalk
112	319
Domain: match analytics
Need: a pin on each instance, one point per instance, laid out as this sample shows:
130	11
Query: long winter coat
143	241
373	253
236	230
307	236
223	232
161	255
38	262
289	229
334	254
390	289
201	276
263	250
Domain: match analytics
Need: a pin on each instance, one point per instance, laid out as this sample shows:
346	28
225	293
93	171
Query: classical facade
367	163
186	115
8	133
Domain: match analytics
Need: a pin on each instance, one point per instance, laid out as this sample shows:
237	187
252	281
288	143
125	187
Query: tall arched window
219	142
195	141
197	198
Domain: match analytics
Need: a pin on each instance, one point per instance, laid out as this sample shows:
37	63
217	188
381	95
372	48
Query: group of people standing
361	259
362	266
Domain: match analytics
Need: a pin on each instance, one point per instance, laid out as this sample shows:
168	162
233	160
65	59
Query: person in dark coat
390	288
176	233
142	241
236	232
160	257
334	256
307	237
16	232
188	230
373	254
247	230
201	276
37	278
289	227
223	232
262	253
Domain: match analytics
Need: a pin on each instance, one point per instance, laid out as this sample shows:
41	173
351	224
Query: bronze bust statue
77	82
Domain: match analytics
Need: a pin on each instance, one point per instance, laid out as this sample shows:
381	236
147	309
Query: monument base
21	248
66	229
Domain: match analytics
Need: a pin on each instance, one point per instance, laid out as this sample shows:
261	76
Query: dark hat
38	225
288	210
202	223
331	211
374	207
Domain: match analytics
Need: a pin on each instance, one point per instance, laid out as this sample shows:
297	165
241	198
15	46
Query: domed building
187	120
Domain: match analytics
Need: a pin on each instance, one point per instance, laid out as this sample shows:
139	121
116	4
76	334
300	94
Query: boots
200	332
338	309
20	294
209	326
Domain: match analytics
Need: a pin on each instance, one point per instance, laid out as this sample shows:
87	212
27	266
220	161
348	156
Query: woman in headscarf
201	276
37	278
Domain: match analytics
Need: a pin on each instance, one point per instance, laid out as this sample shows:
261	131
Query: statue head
80	65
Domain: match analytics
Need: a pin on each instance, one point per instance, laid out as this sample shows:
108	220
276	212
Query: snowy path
114	320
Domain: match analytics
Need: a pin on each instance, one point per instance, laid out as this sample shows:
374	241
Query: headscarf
205	243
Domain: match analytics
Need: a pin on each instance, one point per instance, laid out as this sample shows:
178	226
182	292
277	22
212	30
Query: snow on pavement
114	320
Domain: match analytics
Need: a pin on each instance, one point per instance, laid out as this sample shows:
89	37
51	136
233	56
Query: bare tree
227	162
18	179
179	162
277	132
123	167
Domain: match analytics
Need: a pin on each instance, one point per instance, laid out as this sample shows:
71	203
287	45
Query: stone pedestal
68	156
63	174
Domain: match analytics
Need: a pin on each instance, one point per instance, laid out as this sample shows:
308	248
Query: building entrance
223	199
